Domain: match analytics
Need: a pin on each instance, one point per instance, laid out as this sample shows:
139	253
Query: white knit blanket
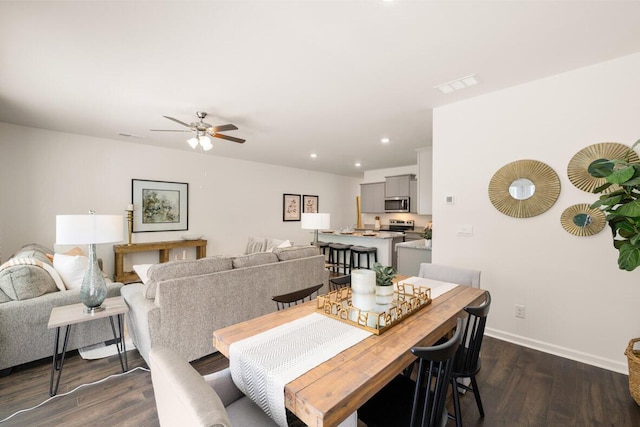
262	365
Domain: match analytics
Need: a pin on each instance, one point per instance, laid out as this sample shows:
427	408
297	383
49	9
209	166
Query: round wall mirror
578	168
582	220
524	188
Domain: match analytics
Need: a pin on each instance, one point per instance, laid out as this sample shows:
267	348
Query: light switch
464	230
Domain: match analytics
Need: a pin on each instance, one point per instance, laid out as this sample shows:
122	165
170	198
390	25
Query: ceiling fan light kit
202	132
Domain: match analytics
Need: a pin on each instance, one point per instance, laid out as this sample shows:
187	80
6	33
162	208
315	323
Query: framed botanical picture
291	207
309	204
159	205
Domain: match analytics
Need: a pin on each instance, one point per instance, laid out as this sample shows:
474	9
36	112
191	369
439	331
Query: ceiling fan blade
177	121
169	130
222	128
228	138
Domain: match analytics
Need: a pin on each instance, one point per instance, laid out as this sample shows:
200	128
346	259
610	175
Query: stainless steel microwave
396	204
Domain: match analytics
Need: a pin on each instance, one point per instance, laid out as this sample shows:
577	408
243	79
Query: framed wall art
309	204
159	205
291	207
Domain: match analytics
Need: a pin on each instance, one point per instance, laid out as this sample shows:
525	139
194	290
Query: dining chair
296	297
336	283
185	398
405	402
446	273
467	362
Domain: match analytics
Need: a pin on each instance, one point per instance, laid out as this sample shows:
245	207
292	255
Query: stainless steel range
400	224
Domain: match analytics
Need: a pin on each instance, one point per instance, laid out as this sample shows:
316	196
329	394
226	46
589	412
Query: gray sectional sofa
184	301
28	292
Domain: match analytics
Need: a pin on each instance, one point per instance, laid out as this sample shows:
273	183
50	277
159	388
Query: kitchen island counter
383	241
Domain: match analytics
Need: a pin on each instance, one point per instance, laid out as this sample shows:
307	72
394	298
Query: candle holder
130	223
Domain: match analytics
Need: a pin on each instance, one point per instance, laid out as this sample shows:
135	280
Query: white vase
384	295
363	289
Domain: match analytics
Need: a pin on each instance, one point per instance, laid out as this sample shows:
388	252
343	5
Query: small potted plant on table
384	283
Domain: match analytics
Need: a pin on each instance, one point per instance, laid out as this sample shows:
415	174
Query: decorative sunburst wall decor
582	220
547	188
578	168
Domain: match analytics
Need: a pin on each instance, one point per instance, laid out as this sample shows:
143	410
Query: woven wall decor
581	220
545	180
578	168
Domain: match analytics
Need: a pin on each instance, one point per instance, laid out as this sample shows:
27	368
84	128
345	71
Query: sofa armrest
183	397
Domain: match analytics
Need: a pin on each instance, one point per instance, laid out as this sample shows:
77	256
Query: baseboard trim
556	350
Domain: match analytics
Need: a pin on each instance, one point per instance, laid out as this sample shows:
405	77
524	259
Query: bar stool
358	251
335	250
323	247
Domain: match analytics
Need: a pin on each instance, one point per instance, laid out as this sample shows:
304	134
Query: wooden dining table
327	394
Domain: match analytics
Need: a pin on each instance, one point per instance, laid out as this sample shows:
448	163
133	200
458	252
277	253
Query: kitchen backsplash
420	220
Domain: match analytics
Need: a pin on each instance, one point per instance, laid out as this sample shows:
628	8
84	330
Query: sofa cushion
285	254
252	260
183	268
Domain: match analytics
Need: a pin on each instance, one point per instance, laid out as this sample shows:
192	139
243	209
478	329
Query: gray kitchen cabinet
413	196
397	186
372	197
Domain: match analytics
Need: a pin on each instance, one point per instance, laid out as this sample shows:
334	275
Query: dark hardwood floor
519	387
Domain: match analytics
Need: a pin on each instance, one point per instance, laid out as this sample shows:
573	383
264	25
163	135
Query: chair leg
476	393
456	402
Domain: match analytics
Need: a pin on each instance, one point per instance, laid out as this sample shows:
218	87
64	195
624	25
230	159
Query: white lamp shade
89	229
193	142
316	221
205	142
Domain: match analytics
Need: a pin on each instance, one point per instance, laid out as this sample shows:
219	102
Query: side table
69	315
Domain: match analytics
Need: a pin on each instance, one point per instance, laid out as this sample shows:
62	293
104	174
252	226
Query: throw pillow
142	271
285	244
256	244
4	297
72	251
71	268
252	260
20	282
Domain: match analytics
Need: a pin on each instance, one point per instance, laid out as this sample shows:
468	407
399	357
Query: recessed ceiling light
385	140
358	164
457	84
313	155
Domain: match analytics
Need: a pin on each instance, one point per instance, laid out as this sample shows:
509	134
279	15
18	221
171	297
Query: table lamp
316	221
90	230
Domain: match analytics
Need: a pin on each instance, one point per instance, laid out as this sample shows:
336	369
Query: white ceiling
296	77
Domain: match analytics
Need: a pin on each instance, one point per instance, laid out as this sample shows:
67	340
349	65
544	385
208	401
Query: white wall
578	303
46	173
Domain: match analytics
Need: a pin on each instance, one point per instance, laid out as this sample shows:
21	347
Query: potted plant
621	207
427	233
384	283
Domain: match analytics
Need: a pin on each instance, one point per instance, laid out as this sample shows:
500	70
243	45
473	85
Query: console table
163	249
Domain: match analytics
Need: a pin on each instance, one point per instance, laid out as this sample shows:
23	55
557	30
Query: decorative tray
407	299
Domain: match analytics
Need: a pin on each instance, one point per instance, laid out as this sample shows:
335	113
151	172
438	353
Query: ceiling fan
202	129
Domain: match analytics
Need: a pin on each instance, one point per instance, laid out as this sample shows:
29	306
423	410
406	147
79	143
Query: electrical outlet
520	311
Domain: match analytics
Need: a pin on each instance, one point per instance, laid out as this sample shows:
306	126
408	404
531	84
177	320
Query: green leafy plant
384	274
621	207
427	233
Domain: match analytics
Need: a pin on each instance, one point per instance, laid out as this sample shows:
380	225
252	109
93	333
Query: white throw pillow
141	271
285	244
71	268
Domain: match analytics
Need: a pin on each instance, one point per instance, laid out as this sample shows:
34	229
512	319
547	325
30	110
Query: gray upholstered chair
446	273
185	398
